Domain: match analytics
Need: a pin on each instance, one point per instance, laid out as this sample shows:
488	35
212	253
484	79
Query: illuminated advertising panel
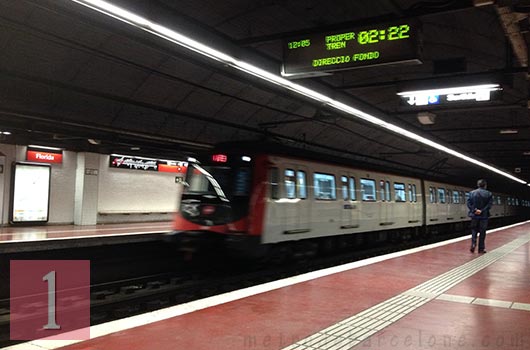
118	161
367	46
30	197
141	163
172	167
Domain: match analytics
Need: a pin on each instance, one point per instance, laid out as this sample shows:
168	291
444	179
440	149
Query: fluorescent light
203	49
192	160
246	158
508	131
46	147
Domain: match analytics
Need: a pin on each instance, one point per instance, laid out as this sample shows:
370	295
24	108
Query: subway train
260	203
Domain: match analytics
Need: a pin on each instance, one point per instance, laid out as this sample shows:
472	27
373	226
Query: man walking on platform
479	203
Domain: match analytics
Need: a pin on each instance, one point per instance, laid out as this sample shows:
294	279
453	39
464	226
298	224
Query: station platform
440	296
16	239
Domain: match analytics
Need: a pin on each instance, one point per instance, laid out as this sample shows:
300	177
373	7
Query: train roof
279	149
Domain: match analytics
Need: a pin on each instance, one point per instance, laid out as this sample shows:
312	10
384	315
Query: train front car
219	194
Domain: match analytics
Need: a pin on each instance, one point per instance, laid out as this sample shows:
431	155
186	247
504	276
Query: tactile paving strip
353	330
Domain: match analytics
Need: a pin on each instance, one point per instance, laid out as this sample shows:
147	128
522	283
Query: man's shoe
482	251
472	249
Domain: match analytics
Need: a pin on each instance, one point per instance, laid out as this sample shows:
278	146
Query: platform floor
22	238
443	297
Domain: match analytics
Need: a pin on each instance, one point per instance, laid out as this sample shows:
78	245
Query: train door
294	207
370	205
304	204
350	208
413	212
384	190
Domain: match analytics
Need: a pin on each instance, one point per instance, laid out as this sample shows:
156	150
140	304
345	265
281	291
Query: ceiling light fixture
426	118
508	131
94	141
196	46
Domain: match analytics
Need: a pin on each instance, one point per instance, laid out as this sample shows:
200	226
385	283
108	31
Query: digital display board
367	46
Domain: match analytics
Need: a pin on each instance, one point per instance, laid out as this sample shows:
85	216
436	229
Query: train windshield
224	182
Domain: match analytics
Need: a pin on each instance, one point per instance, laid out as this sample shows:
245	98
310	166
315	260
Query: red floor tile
441	325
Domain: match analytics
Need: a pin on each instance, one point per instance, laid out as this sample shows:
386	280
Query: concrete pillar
4	204
86	189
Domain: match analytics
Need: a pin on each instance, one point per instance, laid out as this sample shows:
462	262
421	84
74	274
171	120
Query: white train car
308	199
445	203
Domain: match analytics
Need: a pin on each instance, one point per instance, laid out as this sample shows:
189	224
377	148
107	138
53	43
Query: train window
209	180
449	196
301	184
290	184
466	194
382	189
242	182
274	183
456	197
344	181
414	193
441	195
387	191
353	194
399	191
411	197
432	195
368	190
325	186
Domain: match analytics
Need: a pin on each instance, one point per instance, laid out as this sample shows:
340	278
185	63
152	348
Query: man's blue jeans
478	227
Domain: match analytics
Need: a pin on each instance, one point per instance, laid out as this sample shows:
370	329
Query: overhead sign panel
316	54
444	96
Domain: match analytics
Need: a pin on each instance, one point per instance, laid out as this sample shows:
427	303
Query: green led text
329	61
298	44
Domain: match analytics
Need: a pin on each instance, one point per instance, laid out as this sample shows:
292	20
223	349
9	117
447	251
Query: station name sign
367	46
44	155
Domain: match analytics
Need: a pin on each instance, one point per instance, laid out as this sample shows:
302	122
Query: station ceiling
76	78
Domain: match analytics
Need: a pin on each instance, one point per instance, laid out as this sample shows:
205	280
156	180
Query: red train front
219	194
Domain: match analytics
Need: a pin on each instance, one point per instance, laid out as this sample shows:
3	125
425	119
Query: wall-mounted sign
133	163
30	193
44	155
172	167
367	46
137	163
